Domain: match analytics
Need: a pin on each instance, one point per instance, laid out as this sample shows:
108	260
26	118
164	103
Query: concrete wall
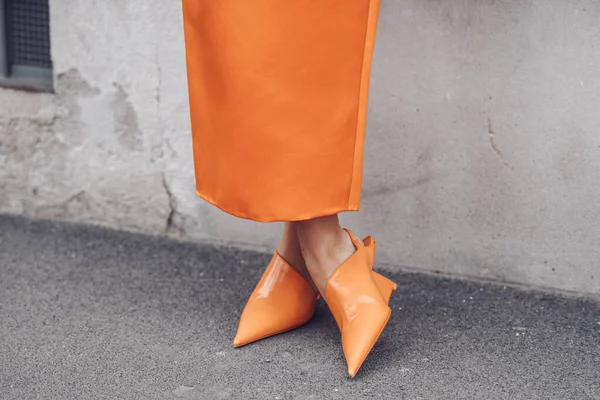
483	146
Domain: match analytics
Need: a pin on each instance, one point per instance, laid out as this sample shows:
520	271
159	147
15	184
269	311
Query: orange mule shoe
284	300
357	304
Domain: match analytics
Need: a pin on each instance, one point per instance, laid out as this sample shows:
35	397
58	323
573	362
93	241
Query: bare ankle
324	245
324	259
289	250
344	248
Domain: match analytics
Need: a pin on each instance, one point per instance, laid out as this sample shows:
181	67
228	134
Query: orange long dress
278	99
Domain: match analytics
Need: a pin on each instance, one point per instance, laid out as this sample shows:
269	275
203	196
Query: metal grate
28	33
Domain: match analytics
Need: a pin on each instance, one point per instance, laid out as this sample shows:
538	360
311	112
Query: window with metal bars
25	60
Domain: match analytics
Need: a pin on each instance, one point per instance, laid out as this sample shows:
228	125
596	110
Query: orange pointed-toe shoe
358	306
284	300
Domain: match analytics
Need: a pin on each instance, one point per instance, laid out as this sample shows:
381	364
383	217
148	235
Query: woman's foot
325	245
289	249
285	296
282	300
341	267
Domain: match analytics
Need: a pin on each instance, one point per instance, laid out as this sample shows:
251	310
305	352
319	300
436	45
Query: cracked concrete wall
483	143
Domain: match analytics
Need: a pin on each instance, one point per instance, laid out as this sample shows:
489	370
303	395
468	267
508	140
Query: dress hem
301	217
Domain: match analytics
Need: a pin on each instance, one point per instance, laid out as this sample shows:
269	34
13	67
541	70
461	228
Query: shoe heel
386	286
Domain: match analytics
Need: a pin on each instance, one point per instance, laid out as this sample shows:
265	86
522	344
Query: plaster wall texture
483	143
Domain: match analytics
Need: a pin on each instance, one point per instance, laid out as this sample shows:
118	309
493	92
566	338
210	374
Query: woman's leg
289	250
324	246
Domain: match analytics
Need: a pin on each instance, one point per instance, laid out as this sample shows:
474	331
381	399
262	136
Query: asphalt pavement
92	313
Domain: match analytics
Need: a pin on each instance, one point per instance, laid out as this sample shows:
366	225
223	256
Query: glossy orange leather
278	99
357	305
283	300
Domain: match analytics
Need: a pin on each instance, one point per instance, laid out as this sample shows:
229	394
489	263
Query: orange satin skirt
278	100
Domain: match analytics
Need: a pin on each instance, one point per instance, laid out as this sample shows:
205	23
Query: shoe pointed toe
360	336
